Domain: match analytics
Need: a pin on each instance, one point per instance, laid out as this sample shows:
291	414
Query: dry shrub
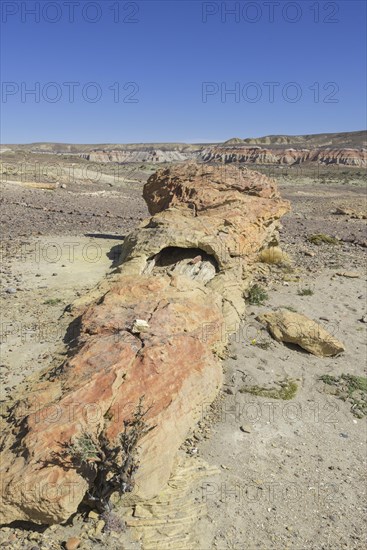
274	255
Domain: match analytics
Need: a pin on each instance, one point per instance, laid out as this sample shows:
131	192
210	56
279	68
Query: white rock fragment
139	326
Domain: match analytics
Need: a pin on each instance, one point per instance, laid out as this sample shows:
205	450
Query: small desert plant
274	255
261	345
257	295
109	468
320	238
350	388
52	301
84	449
305	292
287	390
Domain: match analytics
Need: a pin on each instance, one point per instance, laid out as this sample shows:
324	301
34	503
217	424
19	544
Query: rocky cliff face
150	156
236	153
155	330
262	155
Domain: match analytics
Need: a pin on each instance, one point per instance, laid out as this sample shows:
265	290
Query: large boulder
156	332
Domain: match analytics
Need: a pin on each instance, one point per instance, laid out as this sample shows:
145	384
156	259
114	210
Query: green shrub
287	390
305	292
257	295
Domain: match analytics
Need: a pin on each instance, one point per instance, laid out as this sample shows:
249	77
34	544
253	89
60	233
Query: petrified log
157	331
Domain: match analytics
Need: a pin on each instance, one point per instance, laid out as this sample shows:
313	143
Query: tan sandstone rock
295	328
154	330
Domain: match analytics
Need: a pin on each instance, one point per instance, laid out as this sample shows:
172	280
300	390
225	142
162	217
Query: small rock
139	326
93	515
54	274
99	527
63	186
349	274
72	543
11	290
308	253
363	319
295	328
344	435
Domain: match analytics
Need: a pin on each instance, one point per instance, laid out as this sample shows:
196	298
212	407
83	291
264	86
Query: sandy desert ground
279	473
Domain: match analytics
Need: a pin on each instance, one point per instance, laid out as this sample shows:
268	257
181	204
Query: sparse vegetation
290	308
261	345
287	390
108	468
257	295
305	292
350	388
287	269
274	256
52	302
321	238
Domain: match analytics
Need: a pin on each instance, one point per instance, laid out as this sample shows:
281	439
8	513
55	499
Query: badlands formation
155	330
287	156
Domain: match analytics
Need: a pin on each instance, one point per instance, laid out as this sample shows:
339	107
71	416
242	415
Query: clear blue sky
171	50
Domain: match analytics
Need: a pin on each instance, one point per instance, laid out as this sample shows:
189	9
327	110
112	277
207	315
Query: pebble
349	274
11	290
99	527
72	543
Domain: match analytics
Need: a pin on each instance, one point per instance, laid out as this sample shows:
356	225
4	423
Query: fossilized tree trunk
156	332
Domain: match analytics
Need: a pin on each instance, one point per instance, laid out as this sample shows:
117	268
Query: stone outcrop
157	331
152	156
286	156
174	519
295	328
